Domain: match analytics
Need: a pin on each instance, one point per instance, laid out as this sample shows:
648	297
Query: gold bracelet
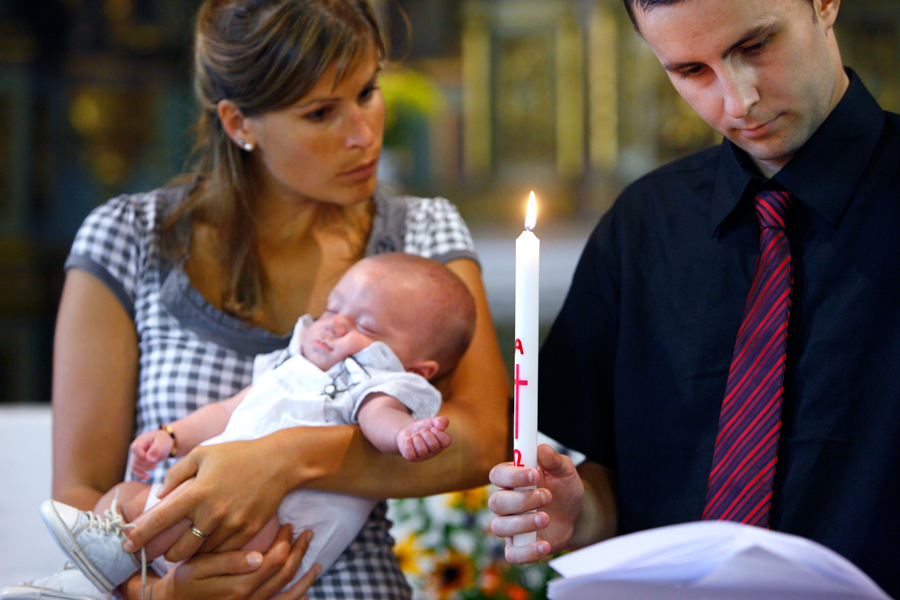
168	429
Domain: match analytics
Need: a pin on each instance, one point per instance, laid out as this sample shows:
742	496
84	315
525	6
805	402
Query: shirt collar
824	173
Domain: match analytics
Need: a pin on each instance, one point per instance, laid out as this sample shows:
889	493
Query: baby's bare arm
387	424
381	417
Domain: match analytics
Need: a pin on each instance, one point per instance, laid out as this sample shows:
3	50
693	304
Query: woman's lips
363	171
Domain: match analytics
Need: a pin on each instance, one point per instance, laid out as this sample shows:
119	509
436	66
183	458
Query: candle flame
531	213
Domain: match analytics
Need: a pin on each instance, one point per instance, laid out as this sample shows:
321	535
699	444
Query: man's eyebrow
749	36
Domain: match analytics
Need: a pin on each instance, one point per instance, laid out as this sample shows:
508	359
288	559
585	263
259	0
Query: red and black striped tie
743	467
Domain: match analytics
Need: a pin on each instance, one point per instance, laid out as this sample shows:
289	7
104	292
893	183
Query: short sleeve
110	245
413	391
435	229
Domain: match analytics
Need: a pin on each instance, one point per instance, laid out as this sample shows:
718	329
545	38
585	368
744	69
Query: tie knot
771	208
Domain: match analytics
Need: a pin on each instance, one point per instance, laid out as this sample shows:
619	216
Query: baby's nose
339	325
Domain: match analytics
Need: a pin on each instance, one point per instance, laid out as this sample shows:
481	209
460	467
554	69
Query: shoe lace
113	522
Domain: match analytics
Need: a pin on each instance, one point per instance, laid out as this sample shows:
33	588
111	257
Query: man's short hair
645	5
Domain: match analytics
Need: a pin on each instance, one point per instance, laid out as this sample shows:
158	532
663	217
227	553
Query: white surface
26	549
709	560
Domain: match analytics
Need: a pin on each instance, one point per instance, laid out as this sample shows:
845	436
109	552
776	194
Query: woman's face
325	147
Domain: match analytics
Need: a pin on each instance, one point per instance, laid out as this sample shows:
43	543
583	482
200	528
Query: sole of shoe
72	548
28	592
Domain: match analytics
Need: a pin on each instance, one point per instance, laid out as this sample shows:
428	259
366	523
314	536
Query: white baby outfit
290	391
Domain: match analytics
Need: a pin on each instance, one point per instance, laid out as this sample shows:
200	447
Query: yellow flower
469	500
453	572
407	552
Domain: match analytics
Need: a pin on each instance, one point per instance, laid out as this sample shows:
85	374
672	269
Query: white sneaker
92	542
68	584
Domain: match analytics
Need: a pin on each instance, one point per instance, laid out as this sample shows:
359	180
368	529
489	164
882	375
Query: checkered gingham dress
192	354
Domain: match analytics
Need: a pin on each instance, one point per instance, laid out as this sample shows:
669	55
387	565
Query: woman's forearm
340	459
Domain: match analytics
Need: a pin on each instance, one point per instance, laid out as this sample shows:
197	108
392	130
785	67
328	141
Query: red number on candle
517	458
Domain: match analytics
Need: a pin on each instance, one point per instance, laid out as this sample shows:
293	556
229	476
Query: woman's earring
245	145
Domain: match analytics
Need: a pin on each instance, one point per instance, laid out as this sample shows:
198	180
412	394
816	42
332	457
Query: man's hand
556	501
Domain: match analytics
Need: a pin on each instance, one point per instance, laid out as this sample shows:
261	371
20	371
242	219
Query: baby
392	323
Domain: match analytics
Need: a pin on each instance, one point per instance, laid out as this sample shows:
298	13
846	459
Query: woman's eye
318	115
368	92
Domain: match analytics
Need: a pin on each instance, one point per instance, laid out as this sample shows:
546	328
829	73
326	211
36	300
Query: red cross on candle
517	382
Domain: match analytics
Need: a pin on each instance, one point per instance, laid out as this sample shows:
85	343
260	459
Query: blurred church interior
487	100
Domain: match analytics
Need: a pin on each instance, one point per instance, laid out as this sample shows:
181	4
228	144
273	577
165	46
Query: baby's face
360	311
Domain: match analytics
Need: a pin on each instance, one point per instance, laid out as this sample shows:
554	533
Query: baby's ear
425	368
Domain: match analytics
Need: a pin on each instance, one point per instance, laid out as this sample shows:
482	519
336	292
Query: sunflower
452	573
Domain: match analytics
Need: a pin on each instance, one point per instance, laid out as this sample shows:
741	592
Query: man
635	369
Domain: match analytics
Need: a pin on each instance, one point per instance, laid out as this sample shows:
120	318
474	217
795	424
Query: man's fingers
505	475
552	461
518	524
513	502
520	555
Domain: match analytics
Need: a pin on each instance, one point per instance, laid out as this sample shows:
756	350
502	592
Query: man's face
763	73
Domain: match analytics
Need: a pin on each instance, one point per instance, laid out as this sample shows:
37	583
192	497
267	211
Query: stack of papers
709	560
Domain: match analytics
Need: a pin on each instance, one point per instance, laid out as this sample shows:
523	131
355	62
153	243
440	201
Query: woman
170	294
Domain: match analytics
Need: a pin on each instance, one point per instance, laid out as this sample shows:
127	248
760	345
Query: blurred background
487	101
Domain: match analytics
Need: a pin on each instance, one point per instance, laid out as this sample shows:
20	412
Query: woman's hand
228	508
237	575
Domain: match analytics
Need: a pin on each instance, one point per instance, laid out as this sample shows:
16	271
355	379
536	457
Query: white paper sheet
709	560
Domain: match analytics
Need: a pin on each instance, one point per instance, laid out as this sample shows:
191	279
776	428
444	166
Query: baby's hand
148	450
423	439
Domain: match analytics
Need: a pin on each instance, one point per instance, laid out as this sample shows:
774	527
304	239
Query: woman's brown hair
262	55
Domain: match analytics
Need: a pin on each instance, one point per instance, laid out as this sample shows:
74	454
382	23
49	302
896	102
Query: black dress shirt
634	369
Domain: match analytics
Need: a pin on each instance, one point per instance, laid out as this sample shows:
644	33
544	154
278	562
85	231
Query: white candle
525	381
